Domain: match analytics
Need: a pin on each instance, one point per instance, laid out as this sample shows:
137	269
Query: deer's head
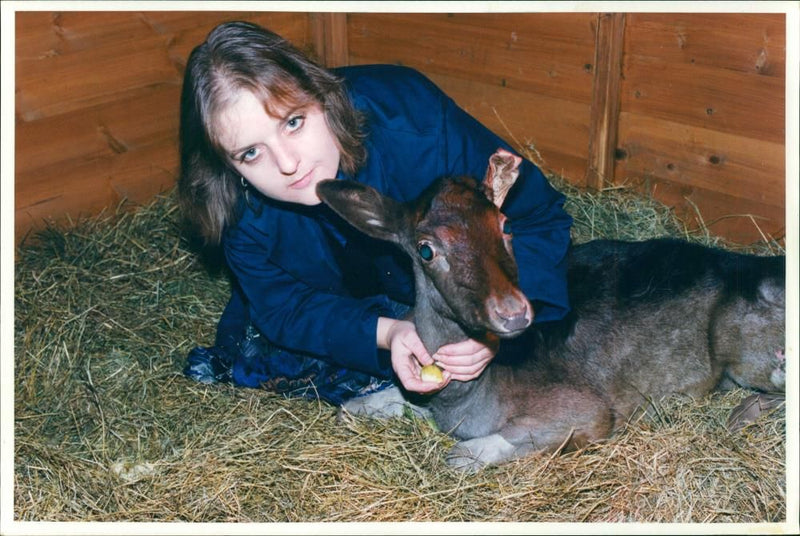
458	239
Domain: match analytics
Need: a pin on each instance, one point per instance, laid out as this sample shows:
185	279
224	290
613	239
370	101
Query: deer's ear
364	208
501	174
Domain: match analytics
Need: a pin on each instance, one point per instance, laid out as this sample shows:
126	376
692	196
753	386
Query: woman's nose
285	158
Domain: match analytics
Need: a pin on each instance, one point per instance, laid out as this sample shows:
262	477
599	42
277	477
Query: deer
648	319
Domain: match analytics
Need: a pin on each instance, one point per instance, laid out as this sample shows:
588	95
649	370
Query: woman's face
283	157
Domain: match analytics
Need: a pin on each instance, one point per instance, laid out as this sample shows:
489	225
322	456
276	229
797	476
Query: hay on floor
108	429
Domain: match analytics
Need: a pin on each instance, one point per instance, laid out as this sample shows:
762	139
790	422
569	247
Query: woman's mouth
302	182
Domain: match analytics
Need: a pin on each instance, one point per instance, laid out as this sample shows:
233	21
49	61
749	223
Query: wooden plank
139	175
513	56
706	97
329	36
45	185
189	29
551	132
686	166
34	34
48	34
605	100
87	187
728	163
63	32
565	28
139	118
718	71
752	43
62	84
294	26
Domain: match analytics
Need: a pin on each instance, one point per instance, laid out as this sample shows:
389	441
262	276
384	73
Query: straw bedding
108	429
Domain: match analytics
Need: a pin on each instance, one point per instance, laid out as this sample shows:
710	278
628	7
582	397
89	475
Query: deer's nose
513	314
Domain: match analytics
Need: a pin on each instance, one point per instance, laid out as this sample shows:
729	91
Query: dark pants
253	361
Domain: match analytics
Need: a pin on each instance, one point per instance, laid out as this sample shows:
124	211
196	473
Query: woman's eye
249	155
295	122
425	251
506	227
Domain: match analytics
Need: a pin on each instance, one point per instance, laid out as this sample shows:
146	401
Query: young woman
317	308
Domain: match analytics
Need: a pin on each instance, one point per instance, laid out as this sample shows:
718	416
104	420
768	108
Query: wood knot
116	145
762	61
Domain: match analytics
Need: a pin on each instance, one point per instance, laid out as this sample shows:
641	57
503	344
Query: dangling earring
246	190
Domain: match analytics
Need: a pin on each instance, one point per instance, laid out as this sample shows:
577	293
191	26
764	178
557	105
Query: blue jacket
311	284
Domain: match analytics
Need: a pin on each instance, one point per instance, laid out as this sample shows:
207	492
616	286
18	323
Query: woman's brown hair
236	56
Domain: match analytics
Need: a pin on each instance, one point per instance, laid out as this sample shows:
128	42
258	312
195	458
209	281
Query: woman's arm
299	317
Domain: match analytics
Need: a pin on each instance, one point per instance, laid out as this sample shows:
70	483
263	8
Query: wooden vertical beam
605	99
329	36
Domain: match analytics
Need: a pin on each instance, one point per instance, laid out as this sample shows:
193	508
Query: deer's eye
425	251
507	227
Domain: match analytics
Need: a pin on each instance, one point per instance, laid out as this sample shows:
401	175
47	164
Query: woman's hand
467	359
408	354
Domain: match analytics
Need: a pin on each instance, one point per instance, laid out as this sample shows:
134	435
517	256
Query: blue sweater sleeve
299	316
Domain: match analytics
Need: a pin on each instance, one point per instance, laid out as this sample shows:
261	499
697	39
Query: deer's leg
560	418
472	454
386	404
753	407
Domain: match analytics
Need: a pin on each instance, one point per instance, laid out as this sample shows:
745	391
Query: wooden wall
689	108
702	119
527	77
686	107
